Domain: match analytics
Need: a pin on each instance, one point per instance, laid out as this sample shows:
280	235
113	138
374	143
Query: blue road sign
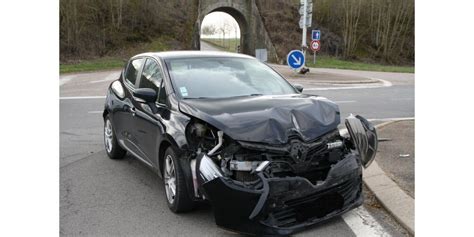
295	59
316	35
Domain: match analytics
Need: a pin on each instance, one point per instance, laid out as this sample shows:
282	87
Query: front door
124	117
148	126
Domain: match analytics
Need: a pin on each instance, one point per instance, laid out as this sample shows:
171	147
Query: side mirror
298	87
146	94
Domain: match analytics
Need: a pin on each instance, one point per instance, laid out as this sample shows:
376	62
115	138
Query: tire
112	148
179	200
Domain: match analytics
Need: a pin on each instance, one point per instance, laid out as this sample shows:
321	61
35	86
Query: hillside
372	31
365	30
119	28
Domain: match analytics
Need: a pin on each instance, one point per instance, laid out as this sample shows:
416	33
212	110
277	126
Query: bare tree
351	17
225	28
208	30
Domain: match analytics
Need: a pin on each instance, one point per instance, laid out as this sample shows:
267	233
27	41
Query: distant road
208	47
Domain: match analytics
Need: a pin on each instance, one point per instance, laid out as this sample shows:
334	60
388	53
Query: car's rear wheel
175	186
112	148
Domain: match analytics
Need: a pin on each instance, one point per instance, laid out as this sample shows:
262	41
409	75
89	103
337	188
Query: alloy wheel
108	135
170	179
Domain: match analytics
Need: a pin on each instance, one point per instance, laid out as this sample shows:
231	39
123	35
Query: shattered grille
316	205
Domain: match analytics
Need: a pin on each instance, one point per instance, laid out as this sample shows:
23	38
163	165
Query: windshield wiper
204	97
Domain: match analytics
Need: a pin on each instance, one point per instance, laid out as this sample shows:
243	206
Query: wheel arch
166	142
183	160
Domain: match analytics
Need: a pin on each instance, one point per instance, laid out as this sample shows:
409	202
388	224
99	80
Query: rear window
133	69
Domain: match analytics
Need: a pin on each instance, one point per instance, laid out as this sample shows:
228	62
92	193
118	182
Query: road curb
399	204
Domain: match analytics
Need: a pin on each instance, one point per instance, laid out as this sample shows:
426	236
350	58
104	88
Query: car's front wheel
175	186
113	149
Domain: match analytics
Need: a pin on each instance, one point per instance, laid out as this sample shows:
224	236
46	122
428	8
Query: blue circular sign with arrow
295	59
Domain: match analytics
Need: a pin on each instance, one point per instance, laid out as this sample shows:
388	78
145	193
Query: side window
151	76
133	69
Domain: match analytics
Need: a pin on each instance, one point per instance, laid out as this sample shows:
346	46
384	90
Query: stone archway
245	12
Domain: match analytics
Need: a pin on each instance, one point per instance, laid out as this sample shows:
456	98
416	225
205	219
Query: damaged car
229	130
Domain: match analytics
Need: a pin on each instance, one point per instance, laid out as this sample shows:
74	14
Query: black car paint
143	128
147	129
267	119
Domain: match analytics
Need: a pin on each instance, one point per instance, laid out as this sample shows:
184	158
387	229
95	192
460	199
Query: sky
217	19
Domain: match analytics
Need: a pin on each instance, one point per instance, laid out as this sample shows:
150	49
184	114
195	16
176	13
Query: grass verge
332	62
91	65
230	44
117	59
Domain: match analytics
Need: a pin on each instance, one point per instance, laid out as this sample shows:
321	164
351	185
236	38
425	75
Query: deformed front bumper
282	206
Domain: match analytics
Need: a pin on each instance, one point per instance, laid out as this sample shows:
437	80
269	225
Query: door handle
133	111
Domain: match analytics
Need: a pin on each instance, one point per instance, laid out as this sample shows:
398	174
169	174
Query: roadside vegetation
91	65
115	60
333	62
91	29
381	31
356	34
322	61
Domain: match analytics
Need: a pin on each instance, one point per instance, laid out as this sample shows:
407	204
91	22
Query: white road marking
81	97
112	76
391	119
363	224
95	112
66	79
344	101
385	83
402	99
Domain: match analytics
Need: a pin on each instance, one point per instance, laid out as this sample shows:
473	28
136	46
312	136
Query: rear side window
133	69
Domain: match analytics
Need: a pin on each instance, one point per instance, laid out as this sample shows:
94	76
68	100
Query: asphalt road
396	157
103	197
207	47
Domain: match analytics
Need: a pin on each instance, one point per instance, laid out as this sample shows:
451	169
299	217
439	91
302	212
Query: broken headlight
201	136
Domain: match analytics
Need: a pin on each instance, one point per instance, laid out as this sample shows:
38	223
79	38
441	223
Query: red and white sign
315	45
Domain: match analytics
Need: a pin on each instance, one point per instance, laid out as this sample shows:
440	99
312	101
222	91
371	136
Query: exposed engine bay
281	186
239	160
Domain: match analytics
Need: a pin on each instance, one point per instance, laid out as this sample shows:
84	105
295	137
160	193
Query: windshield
225	77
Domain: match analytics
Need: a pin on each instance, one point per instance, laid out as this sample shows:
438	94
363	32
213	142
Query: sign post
315	46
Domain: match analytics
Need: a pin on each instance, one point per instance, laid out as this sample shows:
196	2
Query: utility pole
305	13
305	22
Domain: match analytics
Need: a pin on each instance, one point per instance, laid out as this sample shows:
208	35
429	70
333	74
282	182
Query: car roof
193	54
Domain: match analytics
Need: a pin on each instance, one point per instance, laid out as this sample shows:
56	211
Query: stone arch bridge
246	13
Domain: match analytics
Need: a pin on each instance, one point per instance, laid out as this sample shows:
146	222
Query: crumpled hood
267	119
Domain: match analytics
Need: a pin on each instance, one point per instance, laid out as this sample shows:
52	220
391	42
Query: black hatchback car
228	129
